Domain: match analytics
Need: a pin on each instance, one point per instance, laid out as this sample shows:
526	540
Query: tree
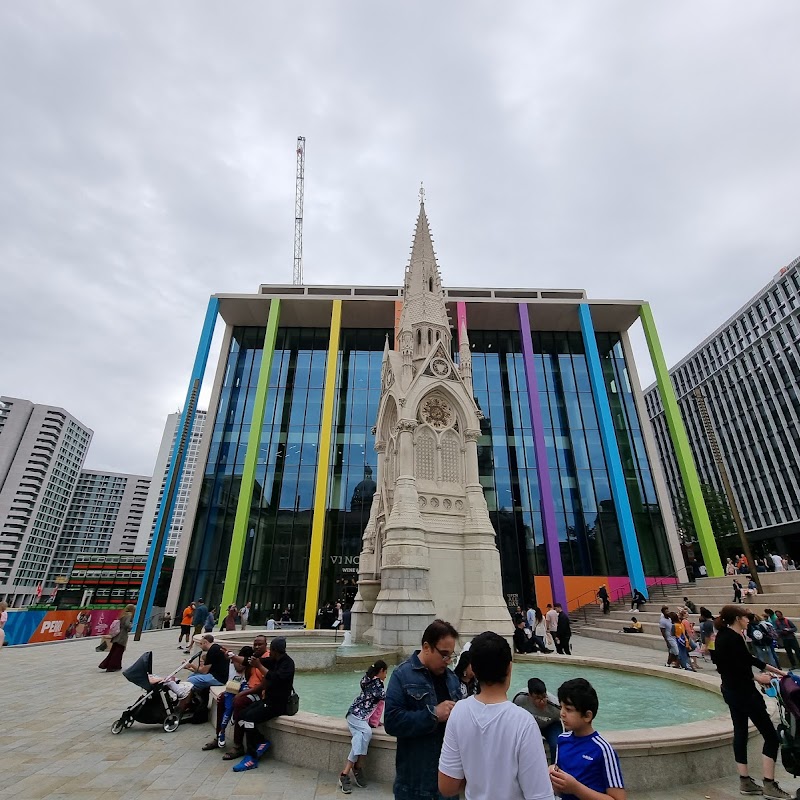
719	513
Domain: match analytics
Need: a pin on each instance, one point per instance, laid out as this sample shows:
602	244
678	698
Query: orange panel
580	590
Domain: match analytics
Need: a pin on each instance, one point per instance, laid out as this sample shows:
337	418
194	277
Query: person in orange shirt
186	627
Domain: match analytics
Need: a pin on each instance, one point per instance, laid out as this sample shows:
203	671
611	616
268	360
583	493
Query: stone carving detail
451	458
472	436
447	504
459	505
434	502
422	502
437	412
406	426
440	367
425	454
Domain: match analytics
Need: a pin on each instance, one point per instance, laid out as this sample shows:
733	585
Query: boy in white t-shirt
492	748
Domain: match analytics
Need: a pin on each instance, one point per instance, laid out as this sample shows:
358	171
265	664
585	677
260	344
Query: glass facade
279	532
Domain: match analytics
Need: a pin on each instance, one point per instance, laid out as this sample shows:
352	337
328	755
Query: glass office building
313	475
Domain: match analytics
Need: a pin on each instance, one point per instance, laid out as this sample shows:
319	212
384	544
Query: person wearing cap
276	687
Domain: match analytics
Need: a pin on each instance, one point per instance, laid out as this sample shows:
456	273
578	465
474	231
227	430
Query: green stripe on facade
245	501
680	443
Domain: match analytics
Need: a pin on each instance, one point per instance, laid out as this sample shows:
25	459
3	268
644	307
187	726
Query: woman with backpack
362	716
762	636
735	666
119	640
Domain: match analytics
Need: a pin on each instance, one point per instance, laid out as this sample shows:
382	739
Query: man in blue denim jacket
420	695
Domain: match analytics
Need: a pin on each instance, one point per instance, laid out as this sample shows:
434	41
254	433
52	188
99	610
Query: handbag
233	686
293	703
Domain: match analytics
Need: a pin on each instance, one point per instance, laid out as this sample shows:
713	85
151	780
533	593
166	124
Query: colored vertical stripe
461	318
608	437
155	557
551	544
323	467
244	504
680	443
398	312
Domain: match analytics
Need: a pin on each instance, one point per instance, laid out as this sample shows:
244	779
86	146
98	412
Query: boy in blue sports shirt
587	766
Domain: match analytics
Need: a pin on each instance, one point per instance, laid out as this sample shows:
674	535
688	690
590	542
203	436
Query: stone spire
465	357
424	315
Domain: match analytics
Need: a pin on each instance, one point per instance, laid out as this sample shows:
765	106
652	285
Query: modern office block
307	510
748	371
42	449
104	516
155	496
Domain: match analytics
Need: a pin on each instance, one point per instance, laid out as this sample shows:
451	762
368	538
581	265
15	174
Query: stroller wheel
117	726
128	722
171	723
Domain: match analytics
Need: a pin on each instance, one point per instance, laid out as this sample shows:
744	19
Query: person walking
737	592
244	614
119	640
563	632
358	720
229	622
787	631
551	618
602	596
735	666
199	616
666	628
540	631
419	698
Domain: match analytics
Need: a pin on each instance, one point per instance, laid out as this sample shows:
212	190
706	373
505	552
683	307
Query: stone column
483	607
404	607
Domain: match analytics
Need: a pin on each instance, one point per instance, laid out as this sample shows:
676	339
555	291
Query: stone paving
56	744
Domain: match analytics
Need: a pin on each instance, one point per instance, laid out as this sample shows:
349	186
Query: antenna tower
299	191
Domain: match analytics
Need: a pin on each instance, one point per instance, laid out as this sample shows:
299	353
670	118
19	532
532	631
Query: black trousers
256	713
792	649
750	705
562	645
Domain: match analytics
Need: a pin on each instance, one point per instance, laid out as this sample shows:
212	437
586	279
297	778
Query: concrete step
651	642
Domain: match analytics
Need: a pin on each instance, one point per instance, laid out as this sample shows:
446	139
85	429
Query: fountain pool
627	700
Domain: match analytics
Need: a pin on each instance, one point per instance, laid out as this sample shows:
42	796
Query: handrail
616	595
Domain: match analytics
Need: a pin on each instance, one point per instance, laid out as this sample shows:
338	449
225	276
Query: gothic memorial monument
429	547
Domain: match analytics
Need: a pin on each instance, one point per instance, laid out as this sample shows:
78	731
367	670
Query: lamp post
711	436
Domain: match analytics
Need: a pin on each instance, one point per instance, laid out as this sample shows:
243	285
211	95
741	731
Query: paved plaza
56	744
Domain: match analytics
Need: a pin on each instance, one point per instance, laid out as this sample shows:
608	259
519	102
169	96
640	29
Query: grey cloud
147	157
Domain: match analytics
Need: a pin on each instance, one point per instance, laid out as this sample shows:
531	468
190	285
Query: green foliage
719	513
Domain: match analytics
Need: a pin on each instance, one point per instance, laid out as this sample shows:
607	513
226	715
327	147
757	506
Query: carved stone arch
425	448
452	457
460	416
387	417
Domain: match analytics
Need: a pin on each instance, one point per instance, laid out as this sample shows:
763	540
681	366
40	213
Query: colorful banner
28	627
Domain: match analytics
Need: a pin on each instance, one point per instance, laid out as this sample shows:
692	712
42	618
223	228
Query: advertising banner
28	627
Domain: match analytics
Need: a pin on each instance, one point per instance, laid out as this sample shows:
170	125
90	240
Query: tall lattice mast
299	191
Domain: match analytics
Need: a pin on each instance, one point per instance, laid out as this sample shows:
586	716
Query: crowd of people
456	729
771	562
535	632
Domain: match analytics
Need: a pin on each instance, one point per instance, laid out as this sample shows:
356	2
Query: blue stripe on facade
155	559
619	491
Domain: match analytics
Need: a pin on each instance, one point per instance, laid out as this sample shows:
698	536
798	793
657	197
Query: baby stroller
156	706
788	696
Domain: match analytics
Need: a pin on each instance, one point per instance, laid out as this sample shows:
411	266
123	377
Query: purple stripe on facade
551	545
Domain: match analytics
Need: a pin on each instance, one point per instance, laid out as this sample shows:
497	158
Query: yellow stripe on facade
323	468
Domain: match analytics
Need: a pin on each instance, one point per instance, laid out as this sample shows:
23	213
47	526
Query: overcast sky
147	156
